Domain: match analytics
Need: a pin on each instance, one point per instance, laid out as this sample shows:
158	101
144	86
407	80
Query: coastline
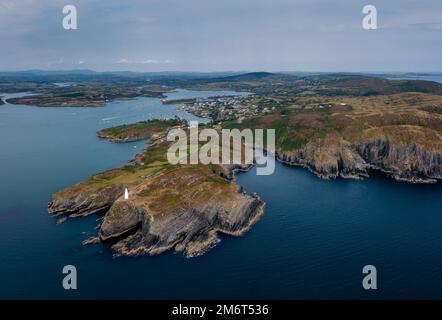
189	226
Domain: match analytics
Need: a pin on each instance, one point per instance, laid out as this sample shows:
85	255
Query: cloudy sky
221	35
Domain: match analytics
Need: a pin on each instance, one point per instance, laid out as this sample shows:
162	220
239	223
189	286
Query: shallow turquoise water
312	242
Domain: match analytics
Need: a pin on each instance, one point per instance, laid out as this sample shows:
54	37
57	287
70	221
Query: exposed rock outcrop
408	163
187	229
405	163
85	202
327	162
182	209
91	240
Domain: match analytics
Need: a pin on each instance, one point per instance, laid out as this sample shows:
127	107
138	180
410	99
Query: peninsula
180	207
362	126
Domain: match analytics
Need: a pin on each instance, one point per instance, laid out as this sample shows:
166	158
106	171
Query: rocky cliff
85	202
403	162
409	163
184	223
179	207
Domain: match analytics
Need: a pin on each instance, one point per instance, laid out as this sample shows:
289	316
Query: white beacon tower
126	194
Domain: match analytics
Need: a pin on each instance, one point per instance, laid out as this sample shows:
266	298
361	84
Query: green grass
217	179
140	127
288	144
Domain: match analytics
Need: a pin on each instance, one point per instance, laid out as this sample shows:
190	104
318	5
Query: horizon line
213	71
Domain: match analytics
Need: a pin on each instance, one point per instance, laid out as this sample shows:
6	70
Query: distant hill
44	73
249	76
38	72
264	83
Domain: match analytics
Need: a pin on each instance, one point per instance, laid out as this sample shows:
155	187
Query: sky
222	35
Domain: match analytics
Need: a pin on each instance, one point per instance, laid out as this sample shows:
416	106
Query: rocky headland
170	207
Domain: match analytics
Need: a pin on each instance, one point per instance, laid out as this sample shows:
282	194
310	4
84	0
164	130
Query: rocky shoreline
189	230
409	163
163	215
113	139
150	222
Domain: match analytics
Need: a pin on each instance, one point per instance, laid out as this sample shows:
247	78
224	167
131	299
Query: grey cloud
201	35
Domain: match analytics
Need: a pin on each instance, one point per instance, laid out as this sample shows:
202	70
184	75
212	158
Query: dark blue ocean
312	242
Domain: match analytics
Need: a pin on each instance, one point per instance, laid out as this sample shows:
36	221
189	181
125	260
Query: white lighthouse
126	194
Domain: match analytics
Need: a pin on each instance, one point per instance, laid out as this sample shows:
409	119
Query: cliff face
84	203
191	230
182	208
407	163
327	162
